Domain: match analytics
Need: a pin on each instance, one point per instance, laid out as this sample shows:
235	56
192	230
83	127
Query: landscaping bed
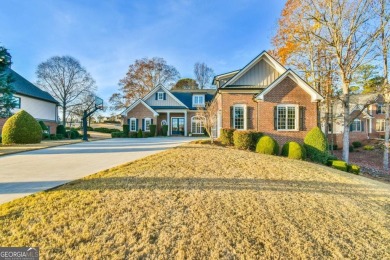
203	201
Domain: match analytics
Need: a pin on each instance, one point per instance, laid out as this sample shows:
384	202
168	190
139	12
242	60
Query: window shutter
165	96
156	95
136	124
301	118
350	127
151	121
249	115
275	118
128	121
231	117
143	124
362	126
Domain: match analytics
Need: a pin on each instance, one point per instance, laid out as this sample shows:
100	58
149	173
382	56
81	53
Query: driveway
29	172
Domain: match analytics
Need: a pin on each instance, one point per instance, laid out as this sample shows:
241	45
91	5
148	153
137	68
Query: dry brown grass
200	201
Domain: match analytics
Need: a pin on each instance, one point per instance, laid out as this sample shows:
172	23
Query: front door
178	126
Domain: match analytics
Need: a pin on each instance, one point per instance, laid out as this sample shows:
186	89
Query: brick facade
139	112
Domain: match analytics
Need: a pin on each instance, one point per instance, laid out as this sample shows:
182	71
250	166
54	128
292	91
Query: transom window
239	117
380	125
287	117
356	126
133	124
160	95
197	124
147	122
198	100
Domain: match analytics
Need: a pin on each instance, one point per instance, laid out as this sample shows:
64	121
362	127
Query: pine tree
7	101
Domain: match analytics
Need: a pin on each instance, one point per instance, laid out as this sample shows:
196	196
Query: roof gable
171	99
315	96
269	62
139	101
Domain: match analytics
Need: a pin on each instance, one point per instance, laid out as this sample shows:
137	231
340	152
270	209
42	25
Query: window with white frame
133	124
160	95
147	123
380	125
197	124
239	120
198	100
287	117
356	126
380	109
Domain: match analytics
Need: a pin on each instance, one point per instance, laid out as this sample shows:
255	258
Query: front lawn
201	201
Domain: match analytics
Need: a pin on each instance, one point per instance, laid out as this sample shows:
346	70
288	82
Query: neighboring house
40	104
175	108
263	96
368	123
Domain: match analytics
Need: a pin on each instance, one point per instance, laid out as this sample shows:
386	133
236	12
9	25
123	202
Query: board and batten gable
39	109
169	101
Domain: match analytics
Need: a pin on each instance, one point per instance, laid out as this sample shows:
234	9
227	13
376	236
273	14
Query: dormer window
198	100
160	95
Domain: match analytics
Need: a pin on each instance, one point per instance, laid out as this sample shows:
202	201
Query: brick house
38	103
263	96
177	109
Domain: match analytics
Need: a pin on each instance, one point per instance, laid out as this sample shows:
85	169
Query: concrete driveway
29	172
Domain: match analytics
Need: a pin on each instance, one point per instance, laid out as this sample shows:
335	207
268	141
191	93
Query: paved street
29	172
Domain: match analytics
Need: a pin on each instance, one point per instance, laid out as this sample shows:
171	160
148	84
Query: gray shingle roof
186	97
24	87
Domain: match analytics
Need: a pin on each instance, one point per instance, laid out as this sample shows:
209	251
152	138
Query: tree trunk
346	128
387	129
64	116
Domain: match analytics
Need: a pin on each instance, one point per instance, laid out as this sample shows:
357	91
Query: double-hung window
380	108
380	125
356	126
133	124
160	95
239	121
198	100
147	122
287	117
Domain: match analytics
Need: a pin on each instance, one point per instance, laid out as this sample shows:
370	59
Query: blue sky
106	36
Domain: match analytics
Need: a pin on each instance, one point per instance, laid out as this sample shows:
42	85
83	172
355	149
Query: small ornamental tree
21	128
208	114
316	145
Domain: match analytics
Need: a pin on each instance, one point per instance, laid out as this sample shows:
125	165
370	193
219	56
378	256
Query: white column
169	123
185	123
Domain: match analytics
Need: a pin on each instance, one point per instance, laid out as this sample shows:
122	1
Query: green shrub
59	136
330	160
45	136
21	128
117	134
356	144
294	150
126	130
164	130
1	139
106	130
242	139
76	133
316	145
146	134
226	136
340	165
353	168
335	147
152	130
267	145
368	147
53	137
133	135
61	130
351	149
43	126
255	138
139	134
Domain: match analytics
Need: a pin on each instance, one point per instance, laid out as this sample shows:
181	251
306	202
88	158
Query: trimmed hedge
61	130
133	135
353	168
368	147
226	137
21	128
294	150
126	130
356	144
164	130
53	137
340	165
316	145
59	136
246	140
152	130
106	130
267	145
117	134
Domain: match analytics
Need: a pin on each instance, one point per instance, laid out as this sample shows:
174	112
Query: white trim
296	117
266	57
150	122
158	95
245	115
315	96
135	124
178	117
376	123
360	125
160	86
127	110
198	104
197	118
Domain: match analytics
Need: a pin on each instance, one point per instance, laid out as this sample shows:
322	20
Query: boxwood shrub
117	134
294	150
368	147
316	146
59	136
139	134
242	139
267	145
356	144
106	130
133	135
353	168
21	128
152	130
164	130
226	136
340	165
126	130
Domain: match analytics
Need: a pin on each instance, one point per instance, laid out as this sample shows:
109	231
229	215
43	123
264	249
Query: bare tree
65	79
208	113
203	74
143	75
